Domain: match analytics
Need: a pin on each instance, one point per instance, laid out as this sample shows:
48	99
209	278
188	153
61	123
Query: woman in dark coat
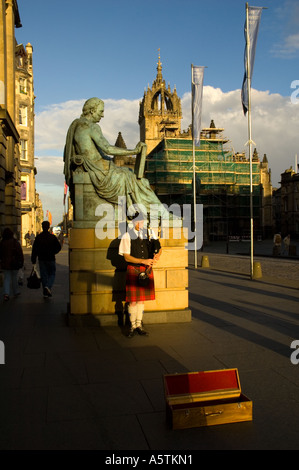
11	260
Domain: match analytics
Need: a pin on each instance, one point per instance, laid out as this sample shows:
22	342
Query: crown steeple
160	111
159	78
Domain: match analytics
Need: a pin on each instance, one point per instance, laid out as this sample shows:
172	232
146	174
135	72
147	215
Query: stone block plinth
98	273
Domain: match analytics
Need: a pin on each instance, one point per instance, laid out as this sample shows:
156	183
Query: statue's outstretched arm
104	145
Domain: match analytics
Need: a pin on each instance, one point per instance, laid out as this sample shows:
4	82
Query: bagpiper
141	249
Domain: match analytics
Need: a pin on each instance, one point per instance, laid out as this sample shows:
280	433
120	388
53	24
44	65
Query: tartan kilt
134	292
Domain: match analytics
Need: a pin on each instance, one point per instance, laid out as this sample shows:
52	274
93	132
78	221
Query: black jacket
139	247
11	254
143	248
45	247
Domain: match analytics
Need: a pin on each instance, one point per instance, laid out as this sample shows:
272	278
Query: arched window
161	101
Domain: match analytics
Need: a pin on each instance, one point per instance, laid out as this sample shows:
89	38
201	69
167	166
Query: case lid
201	386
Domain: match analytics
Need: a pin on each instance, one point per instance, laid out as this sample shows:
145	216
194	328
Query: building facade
10	173
160	112
222	177
20	206
287	198
222	185
30	204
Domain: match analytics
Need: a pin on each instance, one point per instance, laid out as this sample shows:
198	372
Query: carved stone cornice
8	126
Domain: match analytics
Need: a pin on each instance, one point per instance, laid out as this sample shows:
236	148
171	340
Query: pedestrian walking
277	244
27	239
61	238
32	238
286	244
45	247
12	259
136	249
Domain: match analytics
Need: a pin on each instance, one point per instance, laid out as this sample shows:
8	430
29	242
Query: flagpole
194	187
249	139
194	204
197	73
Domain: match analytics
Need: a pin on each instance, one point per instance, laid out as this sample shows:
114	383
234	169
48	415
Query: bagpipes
154	247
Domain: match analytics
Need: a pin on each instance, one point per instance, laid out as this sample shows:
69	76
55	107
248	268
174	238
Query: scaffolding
222	182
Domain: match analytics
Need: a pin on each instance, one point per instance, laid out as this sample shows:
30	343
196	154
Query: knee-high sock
140	309
132	309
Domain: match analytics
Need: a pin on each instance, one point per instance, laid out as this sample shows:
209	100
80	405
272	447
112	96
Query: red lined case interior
201	382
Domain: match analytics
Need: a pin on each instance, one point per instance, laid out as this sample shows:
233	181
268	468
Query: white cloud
274	124
53	122
121	116
274	131
49	167
288	48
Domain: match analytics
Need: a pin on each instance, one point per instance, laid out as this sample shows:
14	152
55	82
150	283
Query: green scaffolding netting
170	167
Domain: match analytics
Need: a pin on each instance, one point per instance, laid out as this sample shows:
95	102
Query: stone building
25	125
287	204
10	189
160	112
223	177
266	211
20	206
39	213
222	185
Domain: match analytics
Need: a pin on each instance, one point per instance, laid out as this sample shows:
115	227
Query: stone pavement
92	388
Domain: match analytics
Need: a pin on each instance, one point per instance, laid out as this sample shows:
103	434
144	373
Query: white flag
197	87
254	16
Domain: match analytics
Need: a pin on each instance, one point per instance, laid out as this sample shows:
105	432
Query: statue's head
91	105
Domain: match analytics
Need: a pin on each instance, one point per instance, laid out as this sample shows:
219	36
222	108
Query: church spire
160	112
159	78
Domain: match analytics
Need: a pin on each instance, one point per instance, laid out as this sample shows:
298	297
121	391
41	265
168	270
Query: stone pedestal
98	272
97	280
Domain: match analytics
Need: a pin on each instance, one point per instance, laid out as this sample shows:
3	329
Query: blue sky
110	48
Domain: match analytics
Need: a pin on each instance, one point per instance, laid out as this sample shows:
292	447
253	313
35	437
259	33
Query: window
24	153
285	204
23	85
23	115
23	190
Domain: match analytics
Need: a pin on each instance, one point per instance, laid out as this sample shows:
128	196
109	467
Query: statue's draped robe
112	183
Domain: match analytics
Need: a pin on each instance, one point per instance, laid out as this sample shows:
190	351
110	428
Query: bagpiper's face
139	225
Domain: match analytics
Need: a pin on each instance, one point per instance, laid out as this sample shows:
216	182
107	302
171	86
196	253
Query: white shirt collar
139	233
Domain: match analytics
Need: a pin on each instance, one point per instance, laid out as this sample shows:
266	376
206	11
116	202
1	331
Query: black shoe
47	292
141	331
132	333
